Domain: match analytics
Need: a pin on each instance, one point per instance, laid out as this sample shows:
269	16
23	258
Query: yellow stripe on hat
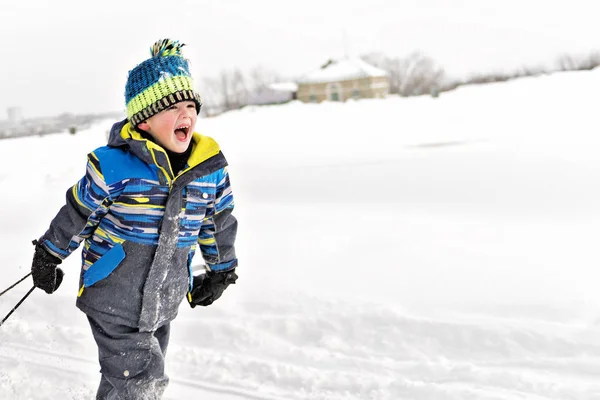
158	91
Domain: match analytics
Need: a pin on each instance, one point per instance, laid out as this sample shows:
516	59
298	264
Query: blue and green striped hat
159	82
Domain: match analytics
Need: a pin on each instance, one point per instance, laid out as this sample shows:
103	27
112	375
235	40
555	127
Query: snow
283	86
389	249
343	70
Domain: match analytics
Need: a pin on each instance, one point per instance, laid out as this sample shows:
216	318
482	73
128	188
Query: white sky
68	55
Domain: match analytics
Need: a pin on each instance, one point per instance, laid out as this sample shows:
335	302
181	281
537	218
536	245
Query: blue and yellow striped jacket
141	224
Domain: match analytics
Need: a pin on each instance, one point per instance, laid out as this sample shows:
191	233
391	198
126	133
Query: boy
148	198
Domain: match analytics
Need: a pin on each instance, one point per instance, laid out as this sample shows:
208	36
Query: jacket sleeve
87	202
219	228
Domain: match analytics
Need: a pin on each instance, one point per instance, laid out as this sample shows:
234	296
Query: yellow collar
204	147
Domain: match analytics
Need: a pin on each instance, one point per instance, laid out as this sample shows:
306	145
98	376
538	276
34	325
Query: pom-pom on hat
159	82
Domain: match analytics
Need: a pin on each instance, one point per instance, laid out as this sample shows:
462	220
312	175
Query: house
274	93
348	78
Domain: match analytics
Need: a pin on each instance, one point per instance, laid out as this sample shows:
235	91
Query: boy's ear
143	125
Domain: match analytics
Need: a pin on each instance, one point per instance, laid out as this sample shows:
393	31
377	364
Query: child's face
172	128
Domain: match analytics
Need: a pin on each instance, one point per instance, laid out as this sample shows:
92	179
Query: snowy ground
390	249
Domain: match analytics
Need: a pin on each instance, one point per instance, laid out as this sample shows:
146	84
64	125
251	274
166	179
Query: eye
172	108
192	106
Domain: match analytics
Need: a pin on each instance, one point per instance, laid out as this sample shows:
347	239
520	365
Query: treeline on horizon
413	75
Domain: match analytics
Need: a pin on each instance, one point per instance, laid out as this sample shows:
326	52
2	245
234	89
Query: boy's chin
178	146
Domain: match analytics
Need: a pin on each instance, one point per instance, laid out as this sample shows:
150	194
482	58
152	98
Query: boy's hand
46	275
210	286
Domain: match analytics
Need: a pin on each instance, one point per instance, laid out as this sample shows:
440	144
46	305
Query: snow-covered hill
390	249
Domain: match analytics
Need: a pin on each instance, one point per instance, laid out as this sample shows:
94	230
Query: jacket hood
115	139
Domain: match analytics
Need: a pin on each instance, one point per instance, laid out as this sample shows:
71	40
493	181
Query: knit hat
159	82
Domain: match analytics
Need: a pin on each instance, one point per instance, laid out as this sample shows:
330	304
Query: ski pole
17	306
15	284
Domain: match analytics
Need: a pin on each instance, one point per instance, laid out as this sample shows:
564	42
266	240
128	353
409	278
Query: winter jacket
140	226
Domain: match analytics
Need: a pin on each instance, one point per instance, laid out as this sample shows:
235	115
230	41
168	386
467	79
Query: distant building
349	78
274	93
15	115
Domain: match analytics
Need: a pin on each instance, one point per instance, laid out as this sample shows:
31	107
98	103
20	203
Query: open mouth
182	132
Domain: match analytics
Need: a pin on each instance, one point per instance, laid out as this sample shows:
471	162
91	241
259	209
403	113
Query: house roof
283	87
343	70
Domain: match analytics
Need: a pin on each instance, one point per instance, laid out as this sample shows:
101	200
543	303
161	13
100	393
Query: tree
239	91
210	92
260	77
232	89
413	75
567	62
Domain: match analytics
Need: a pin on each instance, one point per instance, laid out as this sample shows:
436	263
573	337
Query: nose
188	111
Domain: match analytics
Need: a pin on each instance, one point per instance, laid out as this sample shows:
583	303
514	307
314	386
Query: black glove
210	286
46	275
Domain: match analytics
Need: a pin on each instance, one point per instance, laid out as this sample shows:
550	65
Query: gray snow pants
132	363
